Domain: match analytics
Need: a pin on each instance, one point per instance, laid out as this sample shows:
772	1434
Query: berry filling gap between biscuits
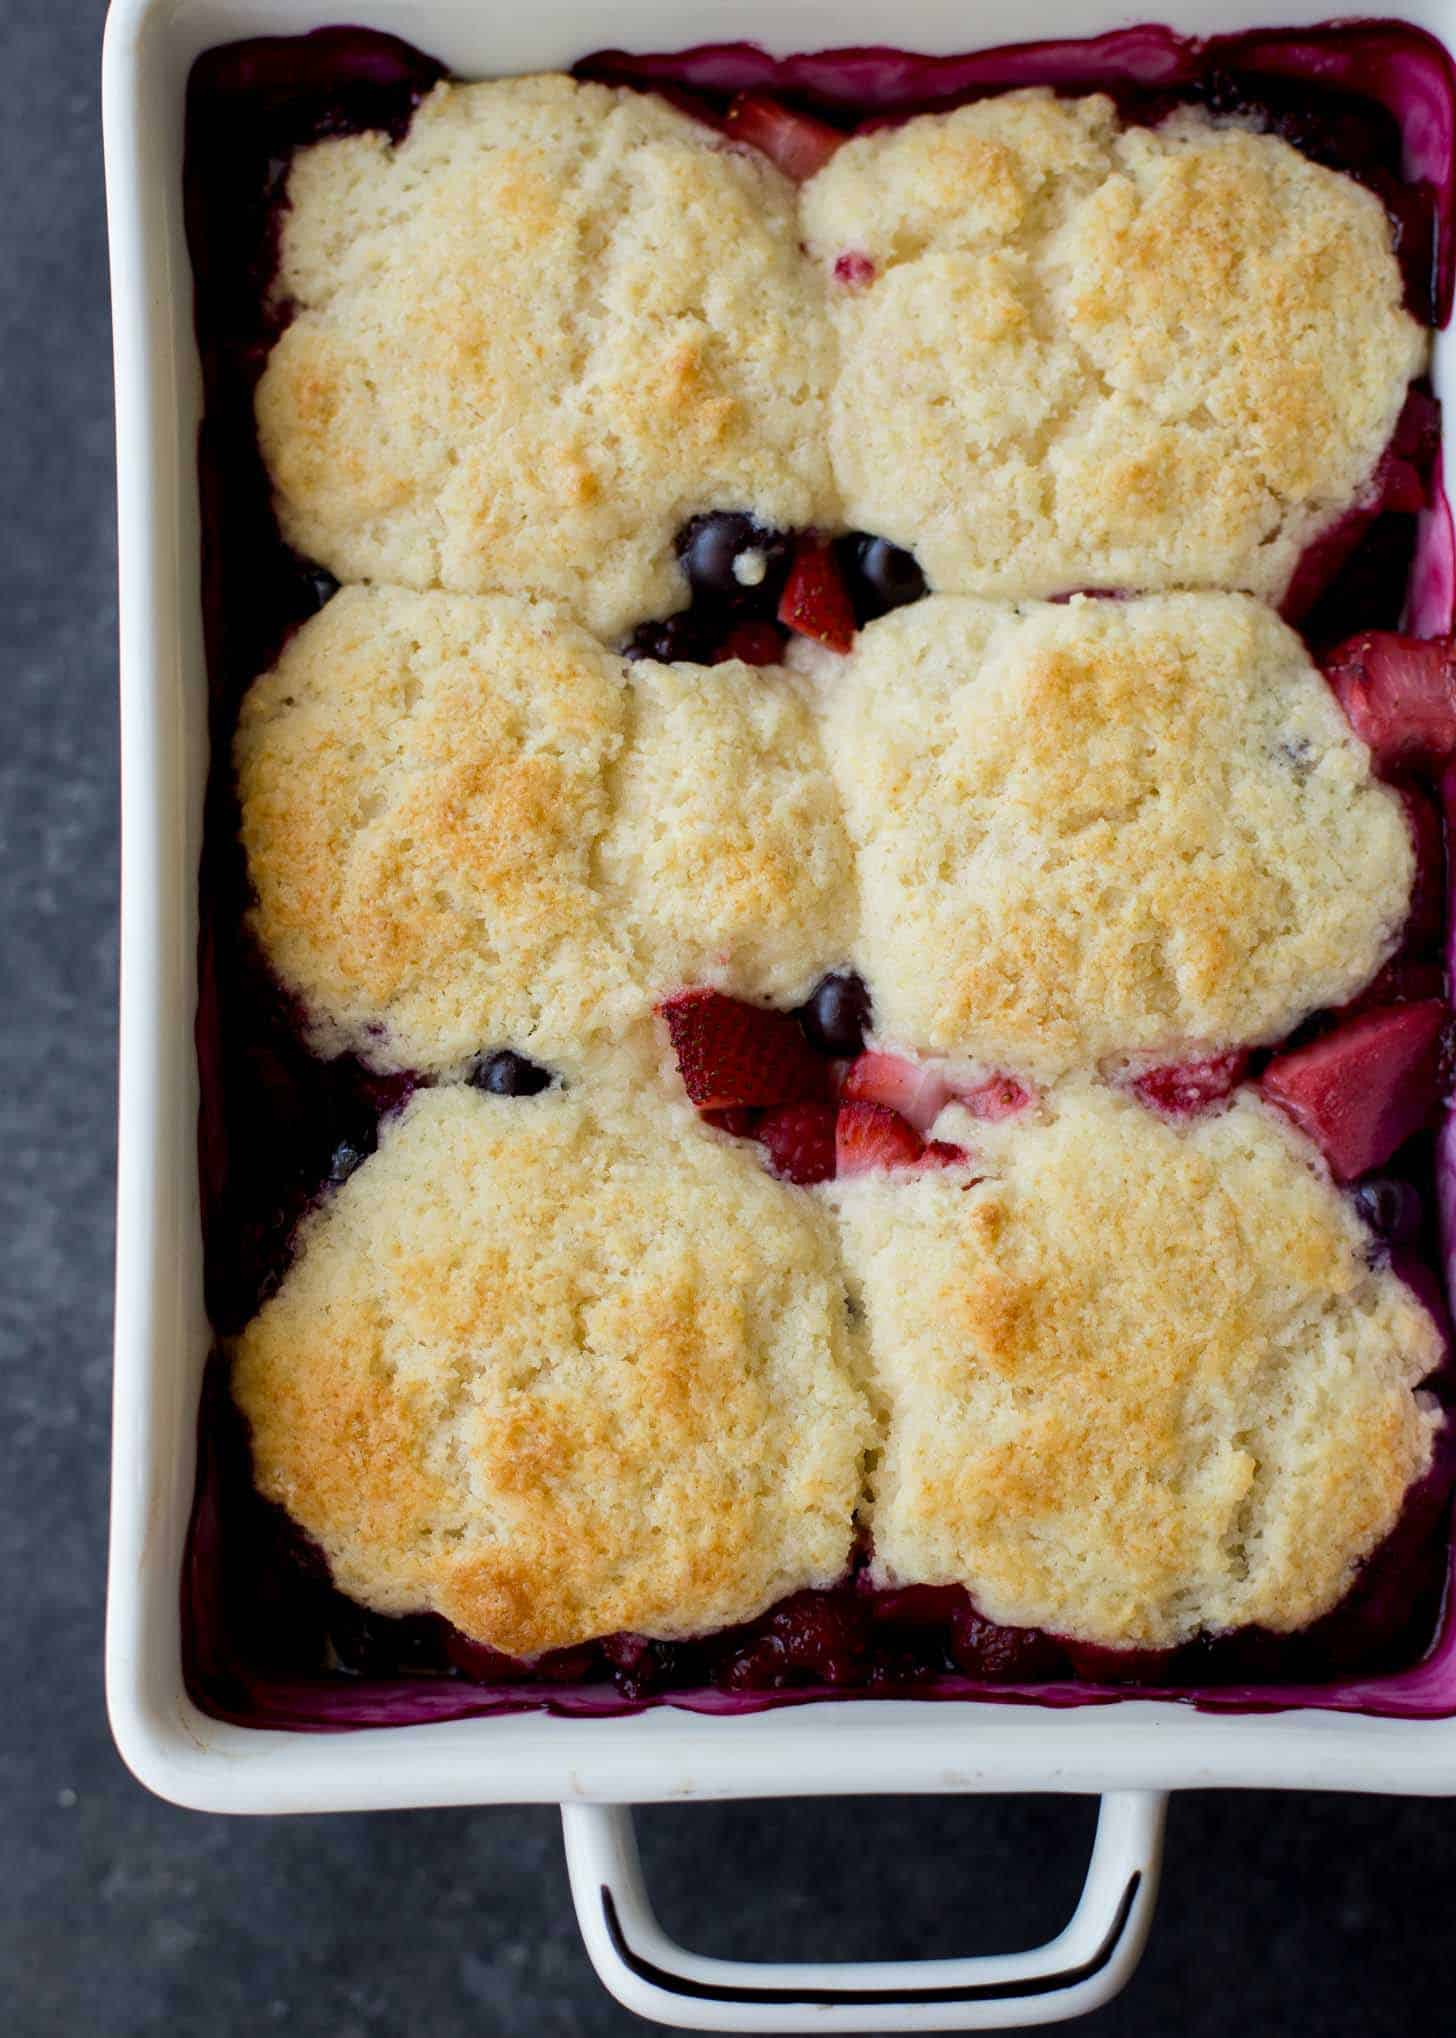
823	1009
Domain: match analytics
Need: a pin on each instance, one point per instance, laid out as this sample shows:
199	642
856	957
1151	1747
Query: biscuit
726	859
1100	828
468	826
1095	357
557	1367
533	339
1142	1381
422	780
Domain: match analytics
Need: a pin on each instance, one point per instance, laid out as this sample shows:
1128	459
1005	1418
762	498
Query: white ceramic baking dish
1133	1751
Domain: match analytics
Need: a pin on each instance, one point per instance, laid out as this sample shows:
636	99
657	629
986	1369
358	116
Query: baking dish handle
1087	1962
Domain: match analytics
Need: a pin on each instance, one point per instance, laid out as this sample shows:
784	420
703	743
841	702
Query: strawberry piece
940	1153
1427	918
759	643
815	600
800	1141
798	143
853	269
732	1054
1361	1091
1398	694
997	1097
870	1136
742	1120
1184	1087
1400	485
917	1094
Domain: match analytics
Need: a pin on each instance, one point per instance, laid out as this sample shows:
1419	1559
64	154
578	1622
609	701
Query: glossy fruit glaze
267	1638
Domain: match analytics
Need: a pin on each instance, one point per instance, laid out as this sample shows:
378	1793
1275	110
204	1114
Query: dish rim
666	1754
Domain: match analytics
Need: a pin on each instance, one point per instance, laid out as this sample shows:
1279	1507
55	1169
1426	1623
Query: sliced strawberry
800	1140
870	1136
815	600
997	1097
1183	1087
1427	918
1400	485
742	1120
759	643
916	1093
940	1153
1361	1091
1398	694
732	1054
797	142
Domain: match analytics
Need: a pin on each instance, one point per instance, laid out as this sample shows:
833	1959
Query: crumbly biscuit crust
467	826
557	1367
1098	829
1141	1380
533	339
561	1366
1097	357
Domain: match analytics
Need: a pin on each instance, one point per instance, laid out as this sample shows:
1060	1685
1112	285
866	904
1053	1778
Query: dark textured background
119	1915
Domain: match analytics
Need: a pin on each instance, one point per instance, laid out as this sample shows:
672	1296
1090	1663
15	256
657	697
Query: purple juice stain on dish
268	1638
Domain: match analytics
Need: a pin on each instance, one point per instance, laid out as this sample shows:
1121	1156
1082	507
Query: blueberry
885	576
319	586
347	1156
1390	1207
507	1074
731	560
836	1015
674	638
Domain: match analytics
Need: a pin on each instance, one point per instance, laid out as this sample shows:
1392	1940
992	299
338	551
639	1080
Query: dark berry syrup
267	1638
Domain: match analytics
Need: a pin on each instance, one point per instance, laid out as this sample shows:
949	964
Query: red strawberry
1398	694
917	1093
939	1153
1428	893
739	1119
1187	1086
800	1142
1361	1091
872	1136
731	1053
759	643
797	142
815	600
997	1097
1400	485
853	270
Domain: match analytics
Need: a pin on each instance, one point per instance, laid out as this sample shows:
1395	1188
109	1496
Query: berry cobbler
824	1016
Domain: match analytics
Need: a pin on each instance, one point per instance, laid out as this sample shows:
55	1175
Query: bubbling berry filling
268	1638
1373	99
794	1082
750	588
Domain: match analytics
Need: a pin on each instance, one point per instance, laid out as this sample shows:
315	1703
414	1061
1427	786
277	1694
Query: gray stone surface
122	1916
